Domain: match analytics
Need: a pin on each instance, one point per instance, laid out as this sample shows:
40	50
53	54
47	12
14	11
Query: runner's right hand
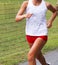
27	15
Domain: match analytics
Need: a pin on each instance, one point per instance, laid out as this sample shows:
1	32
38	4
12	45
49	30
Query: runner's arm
53	16
20	14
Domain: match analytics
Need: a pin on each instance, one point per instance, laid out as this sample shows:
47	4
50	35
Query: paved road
51	57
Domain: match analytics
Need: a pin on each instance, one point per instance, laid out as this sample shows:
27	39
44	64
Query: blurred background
13	45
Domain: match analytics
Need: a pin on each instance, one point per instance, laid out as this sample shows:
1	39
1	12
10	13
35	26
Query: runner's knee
31	57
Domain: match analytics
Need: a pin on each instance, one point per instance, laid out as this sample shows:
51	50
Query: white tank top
36	24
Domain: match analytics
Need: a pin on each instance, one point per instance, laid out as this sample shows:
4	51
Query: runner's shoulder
25	3
48	5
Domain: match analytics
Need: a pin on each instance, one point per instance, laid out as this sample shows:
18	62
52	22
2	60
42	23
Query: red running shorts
31	39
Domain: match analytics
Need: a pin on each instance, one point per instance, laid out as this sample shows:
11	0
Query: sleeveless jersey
36	24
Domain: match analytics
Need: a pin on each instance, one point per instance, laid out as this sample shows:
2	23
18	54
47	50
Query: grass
11	1
13	45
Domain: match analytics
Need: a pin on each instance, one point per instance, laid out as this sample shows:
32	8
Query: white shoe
48	63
